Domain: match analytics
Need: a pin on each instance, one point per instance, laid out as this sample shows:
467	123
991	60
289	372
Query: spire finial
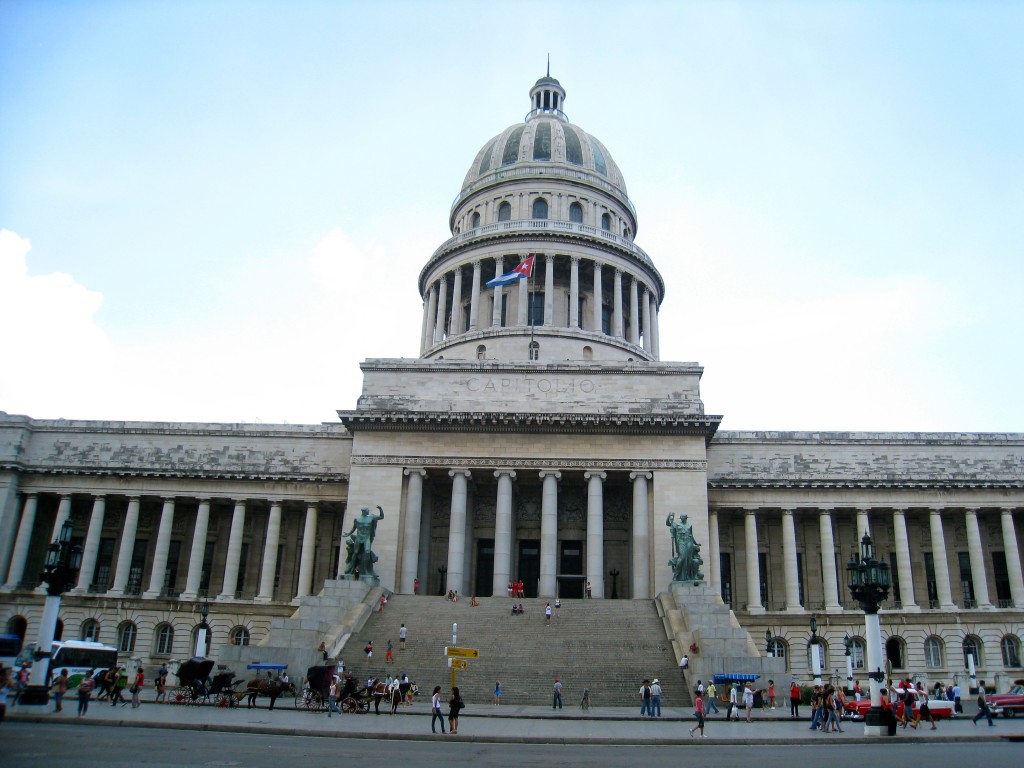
549	65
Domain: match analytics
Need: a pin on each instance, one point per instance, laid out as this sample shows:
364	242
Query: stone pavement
510	724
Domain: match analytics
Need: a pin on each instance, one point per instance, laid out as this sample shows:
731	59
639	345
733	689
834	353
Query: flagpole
529	313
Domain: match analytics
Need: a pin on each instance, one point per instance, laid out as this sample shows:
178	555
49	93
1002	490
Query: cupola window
511	153
504	212
542	142
573	148
576	213
598	158
540	208
606	222
485	162
476	220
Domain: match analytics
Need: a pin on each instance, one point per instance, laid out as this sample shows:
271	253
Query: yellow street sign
461	653
458	663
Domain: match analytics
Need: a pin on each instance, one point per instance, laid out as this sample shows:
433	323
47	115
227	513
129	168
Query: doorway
570	575
529	565
484	582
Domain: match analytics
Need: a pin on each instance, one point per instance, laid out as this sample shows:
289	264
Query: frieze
693	465
527	385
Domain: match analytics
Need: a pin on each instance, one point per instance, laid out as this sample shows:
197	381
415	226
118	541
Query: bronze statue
360	558
686	560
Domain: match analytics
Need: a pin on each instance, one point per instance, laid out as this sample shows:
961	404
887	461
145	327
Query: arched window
606	222
779	649
475	220
504	212
239	636
540	208
164	644
91	630
857	653
894	652
534	350
576	213
126	634
1010	646
972	647
481	352
588	353
17	625
933	652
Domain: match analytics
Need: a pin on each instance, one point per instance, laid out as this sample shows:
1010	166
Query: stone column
903	569
655	334
92	545
158	574
789	562
641	536
645	306
16	571
457	529
428	339
269	568
828	561
549	532
126	548
474	298
549	289
442	309
1013	568
234	556
977	556
523	304
455	325
617	306
595	530
198	552
634	313
63	514
714	566
503	532
411	535
574	293
941	561
753	563
863	524
598	299
306	559
496	309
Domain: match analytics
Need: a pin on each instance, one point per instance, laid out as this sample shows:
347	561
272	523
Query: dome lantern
546	98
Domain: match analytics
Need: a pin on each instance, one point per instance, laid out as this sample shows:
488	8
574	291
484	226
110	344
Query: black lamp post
60	573
443	570
204	628
869	584
770	646
815	657
848	645
614	573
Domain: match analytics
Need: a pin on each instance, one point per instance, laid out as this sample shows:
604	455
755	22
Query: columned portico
828	561
503	532
977	557
92	545
163	544
16	571
595	530
549	532
195	559
906	575
268	572
127	548
789	562
1013	566
308	551
234	552
939	558
457	530
411	537
641	536
754	604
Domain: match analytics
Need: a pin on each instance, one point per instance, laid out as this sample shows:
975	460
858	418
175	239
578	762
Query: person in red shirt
794	699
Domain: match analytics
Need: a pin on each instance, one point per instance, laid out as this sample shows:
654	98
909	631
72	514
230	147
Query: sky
213	211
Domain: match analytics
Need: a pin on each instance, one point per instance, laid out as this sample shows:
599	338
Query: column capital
510	472
750	510
550	473
170	499
574	259
136	498
641	473
312	505
203	499
414	471
600	474
459	472
788	511
276	502
99	496
825	509
65	496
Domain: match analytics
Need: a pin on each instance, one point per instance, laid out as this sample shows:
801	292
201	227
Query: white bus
76	656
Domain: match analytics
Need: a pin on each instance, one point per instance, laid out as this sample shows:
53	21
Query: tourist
389	656
435	709
857	693
983	709
771	694
924	710
116	680
85	689
655	698
415	586
547	613
558	604
748	700
332	696
473	602
709	699
161	684
59	688
455	705
136	689
698	712
497	693
957	706
794	699
403	634
645	698
733	702
556	701
590	592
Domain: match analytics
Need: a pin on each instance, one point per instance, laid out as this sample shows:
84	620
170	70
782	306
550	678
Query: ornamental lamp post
848	643
614	573
204	628
869	584
768	637
815	655
443	571
60	573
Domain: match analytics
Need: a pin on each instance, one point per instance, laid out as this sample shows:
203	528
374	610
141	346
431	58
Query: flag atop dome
523	269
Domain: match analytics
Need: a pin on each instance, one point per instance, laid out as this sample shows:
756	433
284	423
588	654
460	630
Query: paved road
34	745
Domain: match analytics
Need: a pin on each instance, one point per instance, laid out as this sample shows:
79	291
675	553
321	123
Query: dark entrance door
529	565
484	583
570	576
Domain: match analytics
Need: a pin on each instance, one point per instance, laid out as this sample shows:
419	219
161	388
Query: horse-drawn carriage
271	686
315	694
195	686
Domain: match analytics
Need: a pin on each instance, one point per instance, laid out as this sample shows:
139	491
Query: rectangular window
929	576
204	580
894	573
171	574
280	567
243	562
606	320
966	578
504	309
104	564
1002	579
800	576
535	311
725	577
762	575
138	564
465	317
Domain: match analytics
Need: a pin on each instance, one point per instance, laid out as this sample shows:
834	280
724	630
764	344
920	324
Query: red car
940	708
1010	703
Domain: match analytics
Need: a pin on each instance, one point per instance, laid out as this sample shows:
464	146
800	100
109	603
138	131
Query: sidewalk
509	724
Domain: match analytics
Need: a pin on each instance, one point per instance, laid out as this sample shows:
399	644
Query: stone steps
608	646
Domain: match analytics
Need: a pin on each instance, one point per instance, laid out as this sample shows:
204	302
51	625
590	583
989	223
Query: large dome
545	138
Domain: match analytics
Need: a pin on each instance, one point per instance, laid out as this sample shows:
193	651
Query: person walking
709	699
983	709
161	685
771	694
556	701
389	655
733	703
748	700
332	696
645	698
698	712
85	689
59	688
924	710
547	613
115	679
957	706
403	633
794	699
455	705
136	689
435	709
655	698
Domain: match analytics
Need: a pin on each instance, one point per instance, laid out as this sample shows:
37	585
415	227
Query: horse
264	687
391	693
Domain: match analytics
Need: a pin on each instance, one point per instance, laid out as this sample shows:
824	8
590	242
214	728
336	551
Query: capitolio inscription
529	385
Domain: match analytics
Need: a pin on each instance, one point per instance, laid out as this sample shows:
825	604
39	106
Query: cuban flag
523	269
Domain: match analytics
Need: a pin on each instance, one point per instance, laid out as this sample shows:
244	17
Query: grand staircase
608	646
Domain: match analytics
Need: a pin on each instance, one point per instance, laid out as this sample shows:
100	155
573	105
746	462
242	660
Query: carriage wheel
179	696
226	699
349	705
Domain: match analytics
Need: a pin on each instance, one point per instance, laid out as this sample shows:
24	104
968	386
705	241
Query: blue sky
213	211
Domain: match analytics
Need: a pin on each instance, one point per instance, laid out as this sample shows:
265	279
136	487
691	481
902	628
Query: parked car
1010	703
941	708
